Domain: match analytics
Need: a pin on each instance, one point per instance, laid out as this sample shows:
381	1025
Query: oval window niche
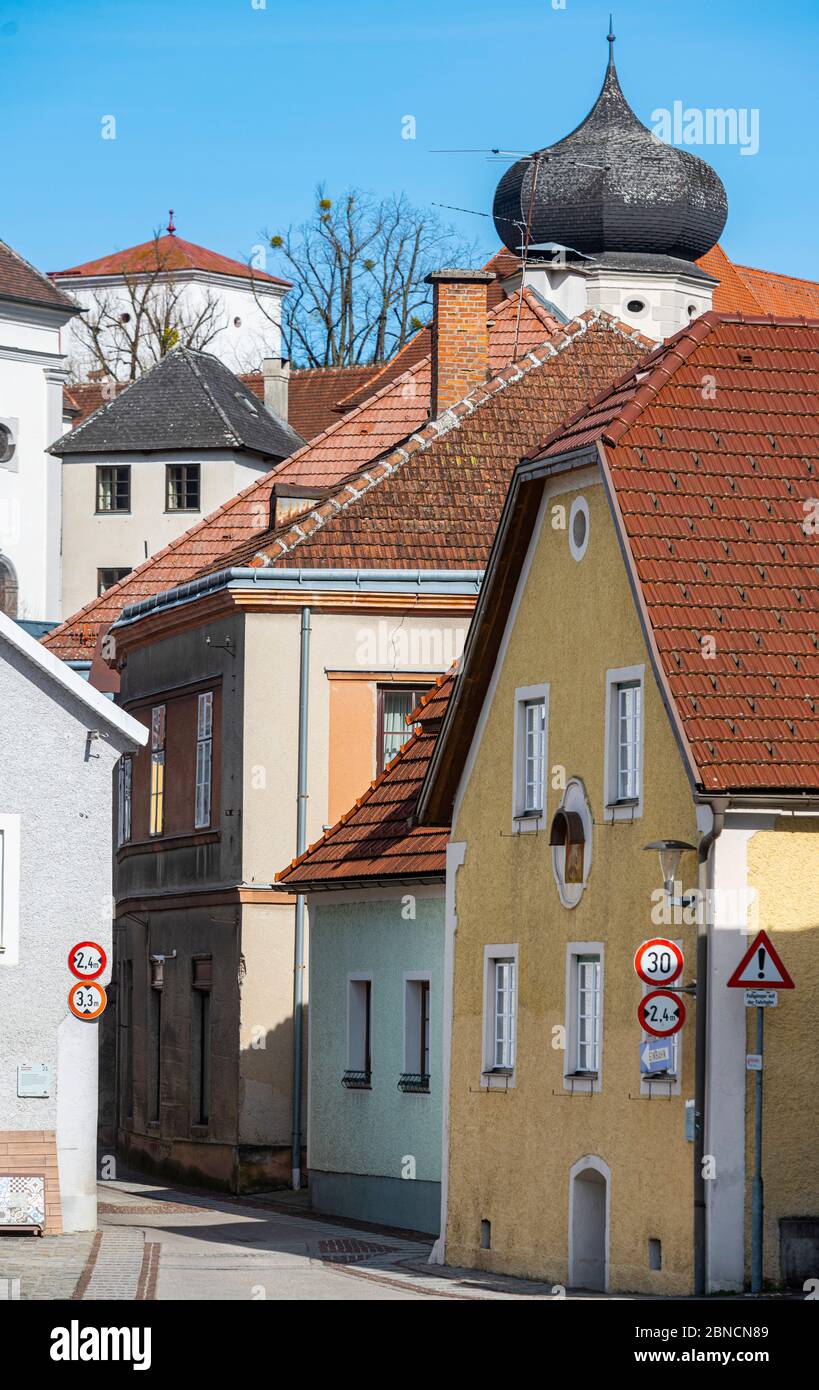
571	838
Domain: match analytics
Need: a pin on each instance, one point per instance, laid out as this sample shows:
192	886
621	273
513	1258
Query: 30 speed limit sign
659	961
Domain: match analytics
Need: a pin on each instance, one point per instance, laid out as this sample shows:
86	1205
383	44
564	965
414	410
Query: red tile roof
375	841
316	394
713	457
428	517
166	253
434	502
21	282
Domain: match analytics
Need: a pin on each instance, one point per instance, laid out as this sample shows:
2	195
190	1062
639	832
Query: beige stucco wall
783	867
119	539
510	1152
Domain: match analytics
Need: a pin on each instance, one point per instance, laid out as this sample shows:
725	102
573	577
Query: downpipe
705	862
298	944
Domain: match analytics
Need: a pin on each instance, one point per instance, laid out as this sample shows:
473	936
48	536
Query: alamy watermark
693	125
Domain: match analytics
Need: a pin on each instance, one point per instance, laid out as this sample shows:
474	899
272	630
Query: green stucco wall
371	1135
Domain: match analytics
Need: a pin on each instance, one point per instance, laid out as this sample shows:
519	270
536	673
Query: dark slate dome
613	186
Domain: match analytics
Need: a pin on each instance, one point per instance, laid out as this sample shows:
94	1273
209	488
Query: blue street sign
655	1056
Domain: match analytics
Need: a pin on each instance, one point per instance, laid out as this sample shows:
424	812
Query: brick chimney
460	337
276	379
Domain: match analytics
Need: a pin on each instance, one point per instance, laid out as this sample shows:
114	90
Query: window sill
200	1131
113	511
160	842
624	803
183	511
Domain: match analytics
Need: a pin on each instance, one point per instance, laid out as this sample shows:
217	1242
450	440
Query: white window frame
204	760
574	950
358	977
490	1075
662	1086
614	808
523	820
9	889
412	1036
125	792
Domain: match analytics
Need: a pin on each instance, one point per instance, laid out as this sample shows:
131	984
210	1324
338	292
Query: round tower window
692	311
636	306
237	322
579	528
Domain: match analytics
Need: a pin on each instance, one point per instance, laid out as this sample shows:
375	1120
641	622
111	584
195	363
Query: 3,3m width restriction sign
659	961
87	960
661	1013
87	1000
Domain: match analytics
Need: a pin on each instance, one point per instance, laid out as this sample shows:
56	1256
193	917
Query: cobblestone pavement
156	1242
46	1266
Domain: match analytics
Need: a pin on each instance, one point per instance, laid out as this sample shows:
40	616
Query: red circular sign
87	960
659	961
87	1000
661	1013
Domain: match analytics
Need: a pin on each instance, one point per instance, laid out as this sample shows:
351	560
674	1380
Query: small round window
579	528
692	311
636	306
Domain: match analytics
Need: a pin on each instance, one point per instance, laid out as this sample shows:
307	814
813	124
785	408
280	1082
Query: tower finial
611	37
171	228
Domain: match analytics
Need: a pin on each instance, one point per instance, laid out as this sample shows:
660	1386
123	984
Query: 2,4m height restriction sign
661	1013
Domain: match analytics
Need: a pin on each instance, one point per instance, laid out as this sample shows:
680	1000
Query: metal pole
758	1194
704	922
298	945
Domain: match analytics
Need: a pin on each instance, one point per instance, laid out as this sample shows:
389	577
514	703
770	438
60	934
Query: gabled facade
60	745
173	446
642	667
375	895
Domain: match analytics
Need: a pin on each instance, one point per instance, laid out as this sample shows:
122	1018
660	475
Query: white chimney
276	377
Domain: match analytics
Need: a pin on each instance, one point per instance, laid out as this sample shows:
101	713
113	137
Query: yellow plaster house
643	666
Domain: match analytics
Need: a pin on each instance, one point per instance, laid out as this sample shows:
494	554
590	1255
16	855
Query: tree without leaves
359	266
128	331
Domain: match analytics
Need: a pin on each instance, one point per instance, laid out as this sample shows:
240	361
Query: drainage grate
352	1250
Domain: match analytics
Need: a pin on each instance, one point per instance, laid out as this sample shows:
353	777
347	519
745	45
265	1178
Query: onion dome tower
612	197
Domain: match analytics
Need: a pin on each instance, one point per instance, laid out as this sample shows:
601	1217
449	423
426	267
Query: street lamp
671	852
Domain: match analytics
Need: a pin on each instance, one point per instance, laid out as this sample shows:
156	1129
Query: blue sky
231	113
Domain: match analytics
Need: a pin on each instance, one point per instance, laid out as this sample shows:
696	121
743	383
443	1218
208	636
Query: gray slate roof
189	400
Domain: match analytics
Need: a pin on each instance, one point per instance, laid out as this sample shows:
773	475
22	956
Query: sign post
759	973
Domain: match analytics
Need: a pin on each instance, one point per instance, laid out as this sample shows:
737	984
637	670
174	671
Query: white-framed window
624	742
416	1032
156	818
500	1014
204	758
124	785
359	1031
583	1062
9	889
530	756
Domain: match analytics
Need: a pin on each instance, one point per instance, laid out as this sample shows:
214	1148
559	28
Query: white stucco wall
240	346
32	370
59	784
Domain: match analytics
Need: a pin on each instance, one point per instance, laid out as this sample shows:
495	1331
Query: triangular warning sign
761	968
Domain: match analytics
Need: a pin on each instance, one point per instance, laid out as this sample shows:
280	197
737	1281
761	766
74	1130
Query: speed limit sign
87	960
87	1000
659	961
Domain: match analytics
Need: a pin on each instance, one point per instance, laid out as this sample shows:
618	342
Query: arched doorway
8	588
589	1194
